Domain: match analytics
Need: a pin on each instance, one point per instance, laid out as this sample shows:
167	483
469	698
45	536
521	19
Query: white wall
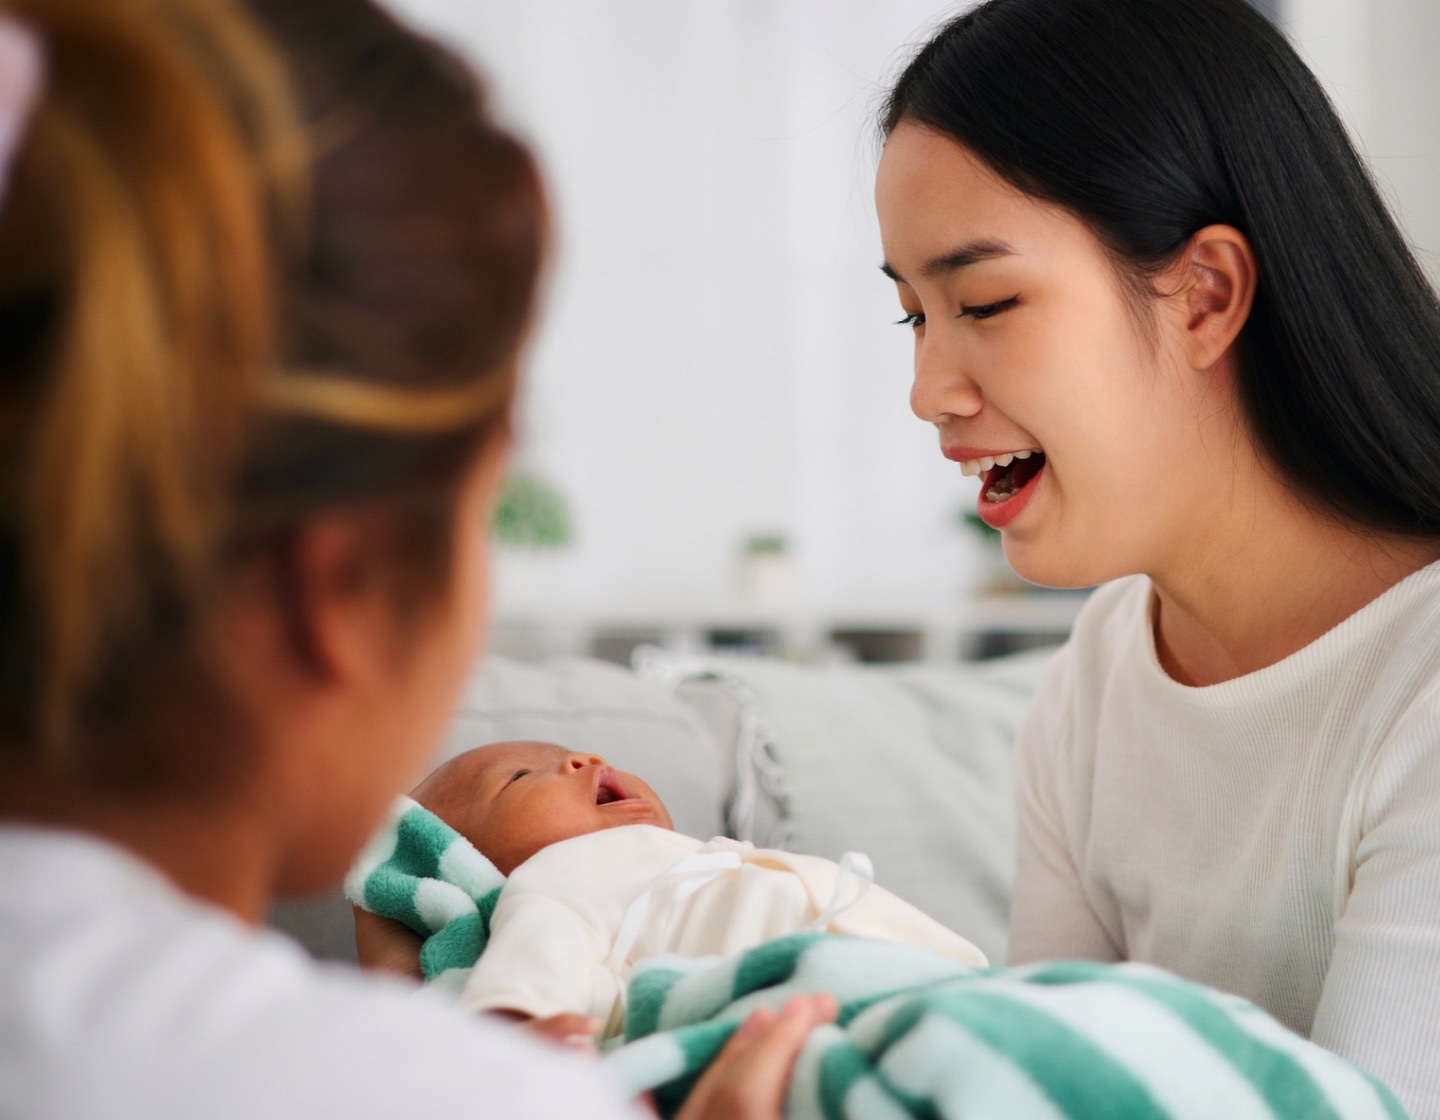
717	358
1377	60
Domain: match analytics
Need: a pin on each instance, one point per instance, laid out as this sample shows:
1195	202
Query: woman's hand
748	1078
386	945
576	1032
569	1029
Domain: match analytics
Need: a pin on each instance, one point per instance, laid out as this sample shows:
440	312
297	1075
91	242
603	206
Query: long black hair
1150	119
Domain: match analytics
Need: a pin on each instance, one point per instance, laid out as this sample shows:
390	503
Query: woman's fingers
748	1078
569	1029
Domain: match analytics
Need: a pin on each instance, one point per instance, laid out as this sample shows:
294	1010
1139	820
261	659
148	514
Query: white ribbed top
1276	836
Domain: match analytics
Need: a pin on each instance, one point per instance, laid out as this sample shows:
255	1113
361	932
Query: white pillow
911	764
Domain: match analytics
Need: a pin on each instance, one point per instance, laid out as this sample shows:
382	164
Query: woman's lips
998	514
974	461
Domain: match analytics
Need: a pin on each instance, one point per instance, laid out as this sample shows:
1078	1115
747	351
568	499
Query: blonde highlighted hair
256	261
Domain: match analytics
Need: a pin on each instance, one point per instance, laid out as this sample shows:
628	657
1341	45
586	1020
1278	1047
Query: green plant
766	544
531	514
969	519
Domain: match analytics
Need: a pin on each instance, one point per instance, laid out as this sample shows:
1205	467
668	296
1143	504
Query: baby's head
512	799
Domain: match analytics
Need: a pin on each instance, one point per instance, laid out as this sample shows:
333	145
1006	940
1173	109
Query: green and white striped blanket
920	1036
420	871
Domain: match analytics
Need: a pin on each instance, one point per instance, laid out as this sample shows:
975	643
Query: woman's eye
985	310
914	319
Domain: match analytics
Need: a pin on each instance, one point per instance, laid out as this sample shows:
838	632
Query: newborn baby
597	879
512	799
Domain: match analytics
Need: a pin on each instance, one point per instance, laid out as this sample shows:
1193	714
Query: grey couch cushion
911	764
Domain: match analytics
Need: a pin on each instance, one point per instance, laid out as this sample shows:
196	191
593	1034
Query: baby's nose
578	760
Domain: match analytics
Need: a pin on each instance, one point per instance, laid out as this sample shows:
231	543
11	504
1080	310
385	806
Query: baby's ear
1218	287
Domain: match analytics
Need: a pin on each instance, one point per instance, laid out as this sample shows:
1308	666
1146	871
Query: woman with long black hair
1161	309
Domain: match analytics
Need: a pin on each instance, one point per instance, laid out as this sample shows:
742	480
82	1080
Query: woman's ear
338	607
1218	287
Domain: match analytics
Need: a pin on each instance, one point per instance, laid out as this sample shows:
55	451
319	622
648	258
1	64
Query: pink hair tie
22	69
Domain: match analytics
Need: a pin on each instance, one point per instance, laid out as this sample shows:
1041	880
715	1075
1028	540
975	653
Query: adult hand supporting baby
386	945
571	1030
748	1079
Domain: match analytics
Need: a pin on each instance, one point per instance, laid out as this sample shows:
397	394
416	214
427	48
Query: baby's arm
386	945
543	959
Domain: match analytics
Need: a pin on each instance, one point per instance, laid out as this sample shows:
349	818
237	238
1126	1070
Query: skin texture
1150	464
512	799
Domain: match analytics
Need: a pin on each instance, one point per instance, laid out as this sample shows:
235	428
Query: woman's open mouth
1008	474
1006	482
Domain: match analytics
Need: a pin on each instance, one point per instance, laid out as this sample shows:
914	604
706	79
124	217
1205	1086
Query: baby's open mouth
609	788
1009	474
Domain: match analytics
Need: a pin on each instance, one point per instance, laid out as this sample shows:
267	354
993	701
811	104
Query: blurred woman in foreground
265	275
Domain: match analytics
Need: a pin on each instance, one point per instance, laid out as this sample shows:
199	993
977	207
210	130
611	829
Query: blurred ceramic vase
767	571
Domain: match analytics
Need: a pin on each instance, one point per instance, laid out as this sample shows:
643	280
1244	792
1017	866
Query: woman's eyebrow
972	252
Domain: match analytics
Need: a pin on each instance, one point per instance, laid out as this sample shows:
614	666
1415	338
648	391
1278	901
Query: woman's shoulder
1109	631
1105	627
107	968
1113	611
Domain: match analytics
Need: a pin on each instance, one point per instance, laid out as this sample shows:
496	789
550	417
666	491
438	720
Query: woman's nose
942	387
578	760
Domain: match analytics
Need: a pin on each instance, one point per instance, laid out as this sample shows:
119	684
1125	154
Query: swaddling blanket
919	1036
563	932
420	871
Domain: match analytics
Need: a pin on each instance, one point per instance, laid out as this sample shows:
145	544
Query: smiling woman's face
1028	346
512	799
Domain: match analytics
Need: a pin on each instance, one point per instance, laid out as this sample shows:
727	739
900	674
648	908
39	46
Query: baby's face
512	799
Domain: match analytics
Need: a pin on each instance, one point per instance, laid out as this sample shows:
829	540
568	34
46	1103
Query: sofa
909	763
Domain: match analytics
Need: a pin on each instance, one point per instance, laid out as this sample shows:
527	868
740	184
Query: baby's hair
257	261
1151	119
446	791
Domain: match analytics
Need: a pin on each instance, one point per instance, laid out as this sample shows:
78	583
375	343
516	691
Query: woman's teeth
972	467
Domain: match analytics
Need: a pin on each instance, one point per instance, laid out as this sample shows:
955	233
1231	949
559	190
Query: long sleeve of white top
1050	917
1380	1003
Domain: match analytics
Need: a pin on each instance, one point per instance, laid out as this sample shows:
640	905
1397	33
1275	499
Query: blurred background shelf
984	626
